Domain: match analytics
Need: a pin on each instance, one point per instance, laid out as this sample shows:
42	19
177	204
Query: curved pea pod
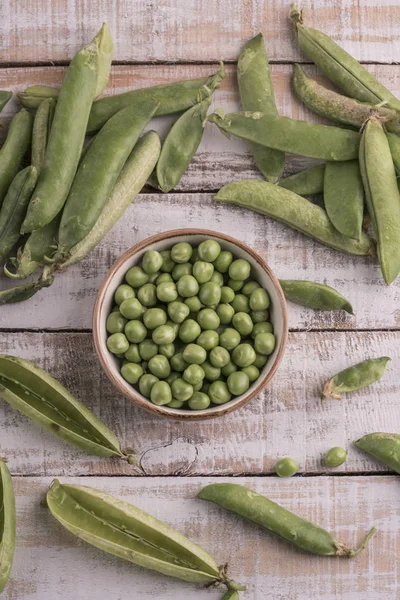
339	66
5	97
314	295
356	377
37	395
382	197
344	197
20	293
290	135
132	178
41	130
34	95
394	145
383	446
276	519
13	211
306	183
293	210
67	134
342	109
14	148
7	524
257	94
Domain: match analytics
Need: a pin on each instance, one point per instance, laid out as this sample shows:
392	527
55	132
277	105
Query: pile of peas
190	326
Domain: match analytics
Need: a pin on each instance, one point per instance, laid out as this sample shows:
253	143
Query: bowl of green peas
190	324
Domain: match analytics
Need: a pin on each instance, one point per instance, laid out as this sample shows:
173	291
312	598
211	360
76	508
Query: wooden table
156	42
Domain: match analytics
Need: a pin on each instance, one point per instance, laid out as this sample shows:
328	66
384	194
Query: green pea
132	354
249	287
260	360
181	390
262	327
181	252
147	294
210	293
131	308
259	299
194	354
241	303
239	269
163	335
197	386
243	355
208	319
264	343
235	285
175	327
167	350
175	403
135	331
136	277
194	374
219	356
286	467
227	294
131	372
187	286
211	373
203	271
252	372
172	376
148	349
146	382
123	292
115	323
335	457
159	366
228	369
199	401
166	292
151	261
154	317
225	313
242	323
154	276
167	264
238	383
163	278
161	393
208	339
194	304
223	261
178	363
195	256
219	392
189	331
217	278
117	343
178	311
180	270
258	316
209	250
229	338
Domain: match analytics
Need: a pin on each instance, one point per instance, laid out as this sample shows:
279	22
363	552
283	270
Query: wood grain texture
287	419
191	30
51	564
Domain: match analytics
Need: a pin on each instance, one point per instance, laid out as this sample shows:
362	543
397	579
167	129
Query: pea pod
67	133
231	595
21	293
383	446
314	295
344	197
342	109
278	520
257	94
382	197
341	68
293	210
290	135
14	148
355	377
394	145
7	524
34	95
5	97
306	183
41	130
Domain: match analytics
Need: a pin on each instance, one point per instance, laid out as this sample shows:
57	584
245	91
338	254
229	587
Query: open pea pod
7	524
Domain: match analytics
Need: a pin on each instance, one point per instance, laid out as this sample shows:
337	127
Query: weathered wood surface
287	419
51	564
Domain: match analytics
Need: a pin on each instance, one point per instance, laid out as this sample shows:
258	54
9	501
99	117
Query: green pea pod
341	68
37	395
383	446
21	293
276	519
382	196
41	130
5	97
14	148
394	145
289	135
132	178
334	106
344	197
13	211
257	94
34	95
7	524
293	210
67	133
85	149
355	377
314	295
306	183
230	595
104	50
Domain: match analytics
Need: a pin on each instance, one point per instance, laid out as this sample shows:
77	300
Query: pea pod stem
23	292
356	377
385	447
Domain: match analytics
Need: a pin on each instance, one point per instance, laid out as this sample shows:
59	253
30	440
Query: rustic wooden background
155	42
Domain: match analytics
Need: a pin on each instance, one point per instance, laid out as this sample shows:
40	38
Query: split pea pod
278	520
306	183
14	148
293	210
7	524
20	293
34	95
5	97
80	85
383	446
382	196
257	94
41	131
394	145
355	377
342	109
340	67
314	295
344	197
290	135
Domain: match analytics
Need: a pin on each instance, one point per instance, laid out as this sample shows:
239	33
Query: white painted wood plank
286	420
51	564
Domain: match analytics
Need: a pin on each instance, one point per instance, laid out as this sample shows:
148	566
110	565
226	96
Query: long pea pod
339	66
383	446
34	95
293	210
344	197
394	145
14	148
257	94
289	135
278	520
355	377
5	97
382	196
41	131
7	524
67	133
20	293
314	295
307	182
339	108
